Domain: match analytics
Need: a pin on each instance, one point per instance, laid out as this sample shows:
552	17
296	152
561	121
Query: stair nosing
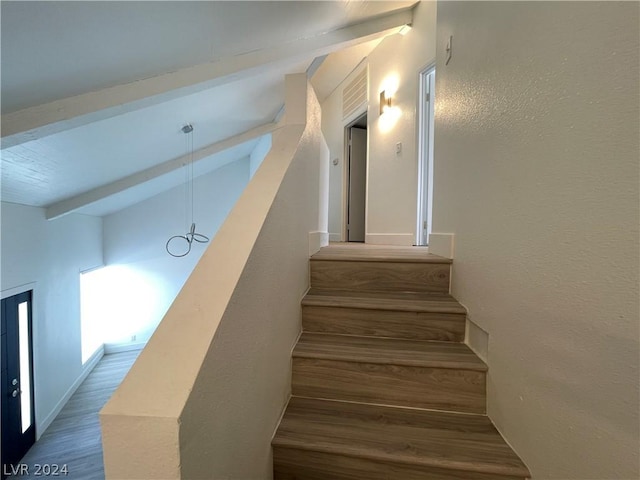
386	405
478	365
379	259
402	459
400	363
363	303
383	337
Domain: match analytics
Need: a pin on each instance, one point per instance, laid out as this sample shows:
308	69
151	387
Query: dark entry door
18	425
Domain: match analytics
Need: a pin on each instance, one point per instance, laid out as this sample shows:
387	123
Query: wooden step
380	276
397	315
379	269
421	374
322	439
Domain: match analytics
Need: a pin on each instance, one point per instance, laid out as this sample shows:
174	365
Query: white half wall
536	174
50	255
142	279
245	380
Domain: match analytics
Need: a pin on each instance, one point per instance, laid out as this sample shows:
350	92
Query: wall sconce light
385	102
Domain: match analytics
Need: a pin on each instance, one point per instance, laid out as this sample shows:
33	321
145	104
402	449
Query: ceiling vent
355	93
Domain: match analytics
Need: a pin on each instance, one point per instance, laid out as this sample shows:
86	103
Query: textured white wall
50	254
245	380
146	278
536	173
393	178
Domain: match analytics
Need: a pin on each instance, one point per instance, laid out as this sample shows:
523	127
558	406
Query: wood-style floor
74	439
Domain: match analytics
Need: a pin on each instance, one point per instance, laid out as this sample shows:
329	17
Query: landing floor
365	251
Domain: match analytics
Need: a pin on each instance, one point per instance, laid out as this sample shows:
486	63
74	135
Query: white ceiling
59	166
53	50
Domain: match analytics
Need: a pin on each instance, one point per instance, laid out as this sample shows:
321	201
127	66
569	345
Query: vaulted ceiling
94	93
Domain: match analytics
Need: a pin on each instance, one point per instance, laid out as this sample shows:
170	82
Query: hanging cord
191	171
187	178
191	236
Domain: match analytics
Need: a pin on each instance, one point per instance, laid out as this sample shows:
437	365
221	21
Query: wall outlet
133	338
398	148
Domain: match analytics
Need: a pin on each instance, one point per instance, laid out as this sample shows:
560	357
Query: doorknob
14	382
15	393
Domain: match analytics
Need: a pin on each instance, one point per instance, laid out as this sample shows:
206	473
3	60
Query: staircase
383	387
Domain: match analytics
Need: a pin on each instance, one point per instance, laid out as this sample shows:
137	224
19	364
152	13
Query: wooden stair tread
398	301
463	442
387	351
377	253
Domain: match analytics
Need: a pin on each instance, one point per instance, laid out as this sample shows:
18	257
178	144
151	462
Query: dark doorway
18	418
356	179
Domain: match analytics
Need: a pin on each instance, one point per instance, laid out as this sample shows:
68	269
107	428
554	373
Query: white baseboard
122	347
317	240
86	370
442	244
403	239
478	340
335	237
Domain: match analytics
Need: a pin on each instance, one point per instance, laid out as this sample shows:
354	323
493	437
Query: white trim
92	269
425	159
477	339
317	240
286	403
335	237
442	244
110	348
89	365
404	239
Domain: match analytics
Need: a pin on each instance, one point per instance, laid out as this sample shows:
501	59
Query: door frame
31	291
346	125
425	154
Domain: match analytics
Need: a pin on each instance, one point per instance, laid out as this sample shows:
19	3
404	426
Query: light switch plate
448	49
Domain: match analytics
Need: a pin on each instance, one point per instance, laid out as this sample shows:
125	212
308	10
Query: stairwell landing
383	387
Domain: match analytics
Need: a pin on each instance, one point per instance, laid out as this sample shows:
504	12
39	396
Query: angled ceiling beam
60	115
72	204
